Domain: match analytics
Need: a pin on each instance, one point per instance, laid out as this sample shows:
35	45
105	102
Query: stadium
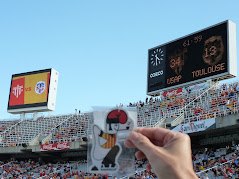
57	146
22	139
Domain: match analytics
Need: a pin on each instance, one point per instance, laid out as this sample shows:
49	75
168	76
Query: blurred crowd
210	163
207	163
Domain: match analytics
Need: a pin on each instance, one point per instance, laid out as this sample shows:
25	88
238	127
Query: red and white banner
56	146
173	92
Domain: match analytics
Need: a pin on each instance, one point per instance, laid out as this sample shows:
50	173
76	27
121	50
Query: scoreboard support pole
211	83
35	115
23	116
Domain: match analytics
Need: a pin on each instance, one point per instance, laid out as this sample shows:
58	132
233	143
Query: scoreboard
195	58
33	91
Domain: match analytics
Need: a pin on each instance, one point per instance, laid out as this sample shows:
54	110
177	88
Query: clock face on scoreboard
197	56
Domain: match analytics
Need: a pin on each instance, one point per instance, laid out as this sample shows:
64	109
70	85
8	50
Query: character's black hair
112	120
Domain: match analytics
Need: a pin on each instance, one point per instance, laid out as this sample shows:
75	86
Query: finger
158	134
156	142
129	144
140	155
148	166
143	144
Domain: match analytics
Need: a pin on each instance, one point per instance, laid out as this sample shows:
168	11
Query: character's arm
97	149
97	130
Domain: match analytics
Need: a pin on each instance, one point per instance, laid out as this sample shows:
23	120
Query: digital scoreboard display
192	59
30	91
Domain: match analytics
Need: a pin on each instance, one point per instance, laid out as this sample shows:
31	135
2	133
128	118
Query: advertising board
173	92
196	126
55	146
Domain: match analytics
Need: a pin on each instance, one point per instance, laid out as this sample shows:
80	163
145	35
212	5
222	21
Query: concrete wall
37	148
228	120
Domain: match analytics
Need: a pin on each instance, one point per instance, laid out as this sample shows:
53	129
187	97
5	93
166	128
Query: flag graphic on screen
29	89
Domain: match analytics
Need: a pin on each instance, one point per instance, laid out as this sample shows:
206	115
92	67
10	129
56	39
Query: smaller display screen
29	89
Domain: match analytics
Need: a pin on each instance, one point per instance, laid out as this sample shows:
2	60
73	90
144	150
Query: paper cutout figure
106	148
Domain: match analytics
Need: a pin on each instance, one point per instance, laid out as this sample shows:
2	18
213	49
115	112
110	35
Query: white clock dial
157	57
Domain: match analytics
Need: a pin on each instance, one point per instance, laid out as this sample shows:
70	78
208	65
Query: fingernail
134	135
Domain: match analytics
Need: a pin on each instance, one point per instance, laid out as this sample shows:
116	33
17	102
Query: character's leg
110	157
94	168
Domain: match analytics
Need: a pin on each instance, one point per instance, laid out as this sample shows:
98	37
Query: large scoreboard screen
195	58
31	91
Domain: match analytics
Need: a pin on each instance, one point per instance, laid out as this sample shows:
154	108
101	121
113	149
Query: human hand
168	152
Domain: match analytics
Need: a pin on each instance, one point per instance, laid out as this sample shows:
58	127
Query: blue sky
99	48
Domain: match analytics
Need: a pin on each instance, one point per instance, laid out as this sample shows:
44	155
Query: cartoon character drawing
105	147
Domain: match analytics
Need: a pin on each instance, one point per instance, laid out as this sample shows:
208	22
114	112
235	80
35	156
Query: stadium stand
4	125
212	163
218	164
73	129
213	102
25	131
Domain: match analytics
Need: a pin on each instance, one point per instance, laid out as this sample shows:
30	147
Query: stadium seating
207	163
199	105
73	129
194	106
4	125
24	132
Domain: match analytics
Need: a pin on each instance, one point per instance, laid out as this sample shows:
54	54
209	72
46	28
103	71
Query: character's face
112	128
129	125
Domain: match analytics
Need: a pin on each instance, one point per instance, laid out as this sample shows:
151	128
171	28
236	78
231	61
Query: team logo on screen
213	50
177	60
40	87
17	90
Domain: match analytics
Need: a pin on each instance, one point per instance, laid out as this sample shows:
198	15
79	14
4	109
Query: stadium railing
182	111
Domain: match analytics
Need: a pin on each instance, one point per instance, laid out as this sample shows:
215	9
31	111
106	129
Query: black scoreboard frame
195	58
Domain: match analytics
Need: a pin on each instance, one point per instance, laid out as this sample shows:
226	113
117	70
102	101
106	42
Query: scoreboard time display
206	54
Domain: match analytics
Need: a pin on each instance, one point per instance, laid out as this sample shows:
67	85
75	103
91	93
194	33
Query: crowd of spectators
140	171
218	101
215	102
71	131
61	169
17	169
207	163
6	124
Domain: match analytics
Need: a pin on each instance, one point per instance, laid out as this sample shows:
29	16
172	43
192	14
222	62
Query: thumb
142	143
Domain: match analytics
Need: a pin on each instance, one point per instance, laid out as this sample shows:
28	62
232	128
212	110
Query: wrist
177	172
186	173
